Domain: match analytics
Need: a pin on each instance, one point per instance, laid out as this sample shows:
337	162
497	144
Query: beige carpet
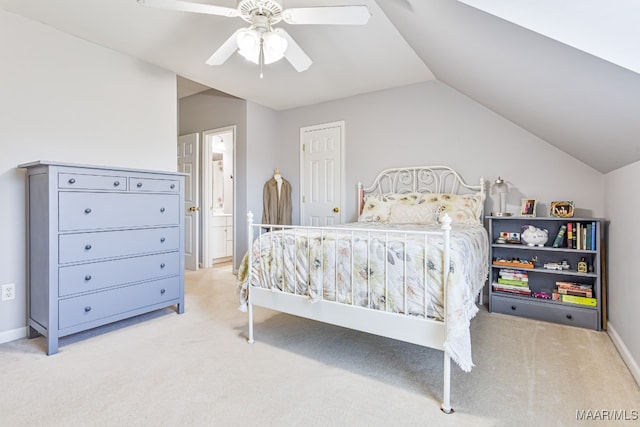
197	369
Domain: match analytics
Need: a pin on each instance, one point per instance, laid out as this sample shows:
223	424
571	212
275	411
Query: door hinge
303	199
303	147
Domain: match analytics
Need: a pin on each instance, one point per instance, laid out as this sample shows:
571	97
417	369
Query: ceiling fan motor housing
271	9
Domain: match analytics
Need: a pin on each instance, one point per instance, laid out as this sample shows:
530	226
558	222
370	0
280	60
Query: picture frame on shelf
528	207
562	209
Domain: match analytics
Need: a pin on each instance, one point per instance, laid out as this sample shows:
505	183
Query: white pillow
412	214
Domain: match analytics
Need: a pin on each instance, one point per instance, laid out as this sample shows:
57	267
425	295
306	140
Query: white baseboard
631	363
12	335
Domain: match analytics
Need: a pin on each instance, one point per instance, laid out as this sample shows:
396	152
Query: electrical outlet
8	291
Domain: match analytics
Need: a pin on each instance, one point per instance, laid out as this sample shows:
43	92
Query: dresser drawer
157	185
94	211
99	275
80	247
92	182
102	305
548	311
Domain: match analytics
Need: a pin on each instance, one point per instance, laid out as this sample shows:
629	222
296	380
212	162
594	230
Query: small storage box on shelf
541	281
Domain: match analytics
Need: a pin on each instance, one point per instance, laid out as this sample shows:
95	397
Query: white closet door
188	163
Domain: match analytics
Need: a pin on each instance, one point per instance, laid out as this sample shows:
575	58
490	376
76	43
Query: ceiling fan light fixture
273	46
249	44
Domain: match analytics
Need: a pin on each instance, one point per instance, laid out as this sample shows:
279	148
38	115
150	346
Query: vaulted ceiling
568	73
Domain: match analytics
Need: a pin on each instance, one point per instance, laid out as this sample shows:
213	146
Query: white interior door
188	164
322	173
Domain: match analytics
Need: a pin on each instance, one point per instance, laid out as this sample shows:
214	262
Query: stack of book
512	281
574	293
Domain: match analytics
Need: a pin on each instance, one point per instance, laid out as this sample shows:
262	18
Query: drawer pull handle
162	291
117	183
87	211
172	186
162	265
72	181
139	184
570	317
87	277
87	247
162	209
513	307
162	239
87	309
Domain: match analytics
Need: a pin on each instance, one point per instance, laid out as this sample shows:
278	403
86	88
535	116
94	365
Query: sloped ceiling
586	106
582	104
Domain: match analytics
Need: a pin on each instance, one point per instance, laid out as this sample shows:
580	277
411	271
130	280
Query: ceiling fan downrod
261	55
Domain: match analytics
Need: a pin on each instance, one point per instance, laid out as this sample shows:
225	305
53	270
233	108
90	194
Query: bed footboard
371	309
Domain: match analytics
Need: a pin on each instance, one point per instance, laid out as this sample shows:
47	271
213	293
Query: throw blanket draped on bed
319	265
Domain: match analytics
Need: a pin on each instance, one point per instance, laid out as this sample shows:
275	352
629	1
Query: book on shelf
507	273
574	243
572	299
573	285
518	290
577	292
513	282
557	242
569	235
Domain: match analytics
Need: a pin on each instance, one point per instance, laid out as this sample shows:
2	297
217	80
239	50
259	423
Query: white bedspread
319	265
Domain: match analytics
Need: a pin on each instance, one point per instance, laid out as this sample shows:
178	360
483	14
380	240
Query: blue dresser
104	244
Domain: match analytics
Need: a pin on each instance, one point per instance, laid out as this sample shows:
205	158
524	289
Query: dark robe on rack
277	207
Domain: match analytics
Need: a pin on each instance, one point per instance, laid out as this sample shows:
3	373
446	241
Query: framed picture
563	209
528	207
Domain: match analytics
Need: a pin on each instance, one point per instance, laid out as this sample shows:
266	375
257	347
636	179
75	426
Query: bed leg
250	309
446	397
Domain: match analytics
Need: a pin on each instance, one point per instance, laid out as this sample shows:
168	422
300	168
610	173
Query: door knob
336	210
194	208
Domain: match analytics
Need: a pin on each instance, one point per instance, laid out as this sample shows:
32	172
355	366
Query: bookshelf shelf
585	311
538	248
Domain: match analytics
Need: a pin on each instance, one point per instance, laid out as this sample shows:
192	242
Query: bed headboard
418	179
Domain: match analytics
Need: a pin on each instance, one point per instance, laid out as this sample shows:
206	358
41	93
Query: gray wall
69	100
257	150
623	285
432	124
213	110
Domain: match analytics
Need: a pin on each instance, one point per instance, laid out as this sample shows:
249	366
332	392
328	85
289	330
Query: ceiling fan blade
333	15
294	53
225	51
186	6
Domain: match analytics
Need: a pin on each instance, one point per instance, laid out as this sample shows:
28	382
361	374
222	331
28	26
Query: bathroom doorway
218	195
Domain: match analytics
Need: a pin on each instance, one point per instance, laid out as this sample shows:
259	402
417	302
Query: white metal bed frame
423	331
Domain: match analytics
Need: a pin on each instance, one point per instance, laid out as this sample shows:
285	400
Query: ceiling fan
260	43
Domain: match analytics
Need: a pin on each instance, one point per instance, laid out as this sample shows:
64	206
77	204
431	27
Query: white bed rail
417	328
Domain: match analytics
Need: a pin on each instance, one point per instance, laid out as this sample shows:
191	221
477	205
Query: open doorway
218	162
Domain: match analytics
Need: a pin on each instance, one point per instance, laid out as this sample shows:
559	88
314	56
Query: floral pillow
422	208
377	207
461	208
